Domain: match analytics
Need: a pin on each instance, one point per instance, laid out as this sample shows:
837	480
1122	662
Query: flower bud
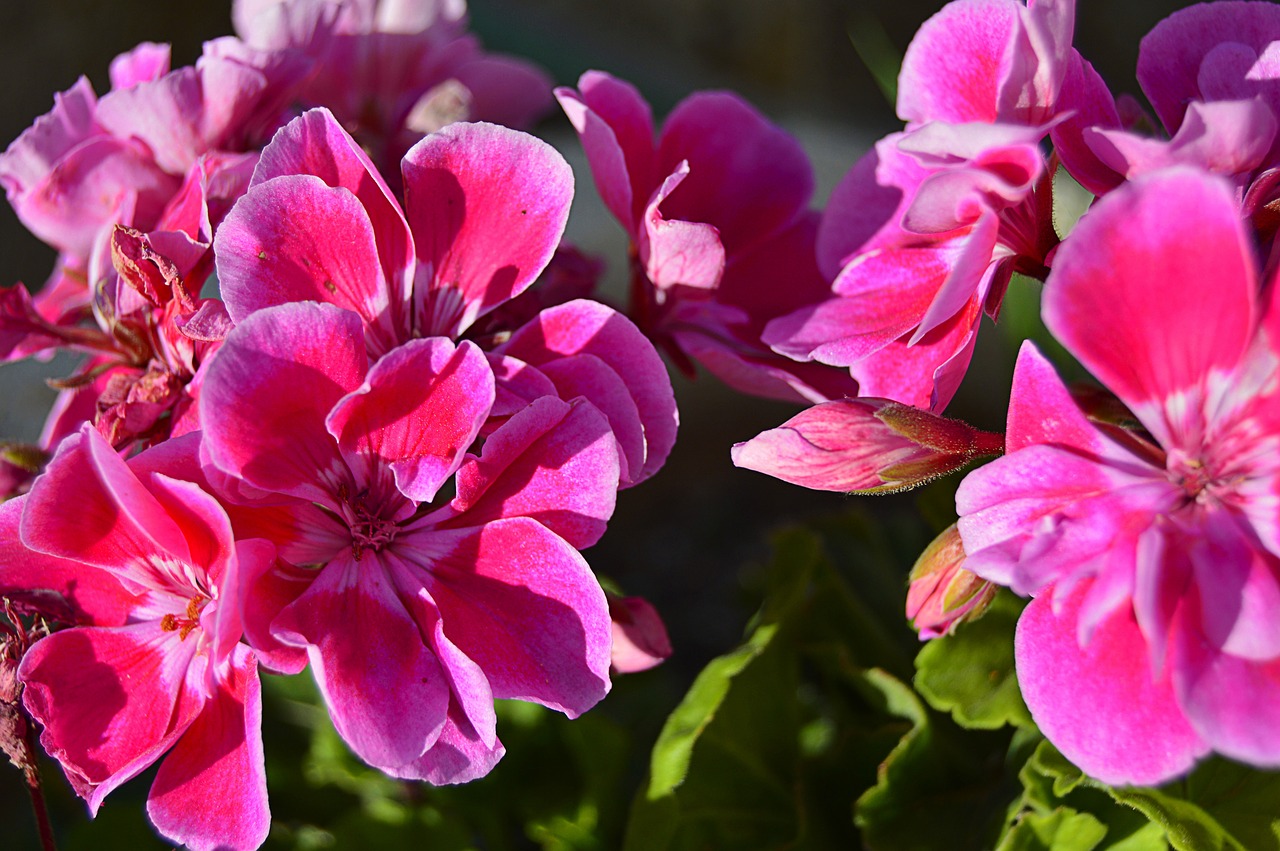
943	594
639	637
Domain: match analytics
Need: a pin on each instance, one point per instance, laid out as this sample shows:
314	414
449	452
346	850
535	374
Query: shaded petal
384	688
588	327
211	790
267	393
111	700
458	756
296	239
1101	705
419	409
555	462
315	143
748	178
487	206
523	605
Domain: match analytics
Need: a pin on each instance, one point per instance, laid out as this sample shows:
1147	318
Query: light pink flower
721	238
172	682
414	614
393	71
484	210
1154	636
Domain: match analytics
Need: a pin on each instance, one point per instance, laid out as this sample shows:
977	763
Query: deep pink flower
172	681
414	614
721	238
484	210
1153	561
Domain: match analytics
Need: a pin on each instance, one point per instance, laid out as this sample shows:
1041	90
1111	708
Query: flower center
370	528
184	625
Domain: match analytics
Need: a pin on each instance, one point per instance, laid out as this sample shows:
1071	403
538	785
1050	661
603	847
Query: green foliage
1070	201
970	674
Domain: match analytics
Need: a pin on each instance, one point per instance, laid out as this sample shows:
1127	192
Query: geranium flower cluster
369	455
1142	518
380	450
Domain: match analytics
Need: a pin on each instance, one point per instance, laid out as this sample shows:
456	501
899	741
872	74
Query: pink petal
676	252
487	206
385	690
419	409
1238	588
117	523
1084	102
640	639
522	604
1233	702
267	393
146	62
110	700
516	385
1127	294
315	143
1101	705
1196	44
615	126
95	596
1042	411
958	62
296	239
747	177
506	90
869	199
211	790
588	327
458	756
555	462
267	592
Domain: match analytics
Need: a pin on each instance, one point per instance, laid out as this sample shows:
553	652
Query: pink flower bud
943	594
639	638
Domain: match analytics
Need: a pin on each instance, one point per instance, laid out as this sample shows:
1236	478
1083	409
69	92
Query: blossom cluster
1140	516
379	451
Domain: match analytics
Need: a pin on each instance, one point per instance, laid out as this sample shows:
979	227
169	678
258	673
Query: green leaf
940	787
970	673
1061	830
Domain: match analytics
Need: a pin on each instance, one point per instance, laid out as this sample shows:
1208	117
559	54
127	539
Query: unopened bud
640	639
943	594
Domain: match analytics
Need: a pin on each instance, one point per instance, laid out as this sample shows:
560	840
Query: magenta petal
314	143
148	61
487	206
748	178
617	136
118	524
677	252
110	700
267	393
1101	705
95	596
296	239
458	756
1192	44
524	605
555	462
506	90
211	789
958	62
1042	411
418	410
385	690
1234	703
1127	295
587	327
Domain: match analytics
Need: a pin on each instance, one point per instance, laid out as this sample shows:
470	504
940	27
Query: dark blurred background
686	539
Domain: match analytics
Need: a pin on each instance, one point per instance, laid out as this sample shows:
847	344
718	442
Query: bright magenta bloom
721	238
485	207
413	615
173	682
1154	635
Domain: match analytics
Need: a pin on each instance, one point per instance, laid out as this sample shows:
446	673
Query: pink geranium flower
1154	559
393	71
721	238
414	614
922	236
484	210
172	682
